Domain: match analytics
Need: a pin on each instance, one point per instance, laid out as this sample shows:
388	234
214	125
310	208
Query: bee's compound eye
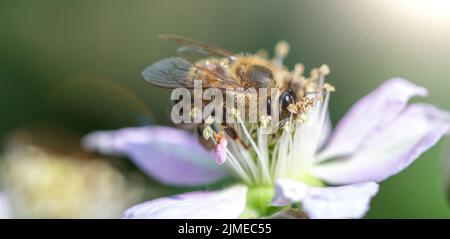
259	76
286	99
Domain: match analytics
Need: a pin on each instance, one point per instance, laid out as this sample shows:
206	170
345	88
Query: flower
173	157
43	183
167	154
380	136
446	172
332	174
5	207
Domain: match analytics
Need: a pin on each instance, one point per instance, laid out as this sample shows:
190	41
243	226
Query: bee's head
286	98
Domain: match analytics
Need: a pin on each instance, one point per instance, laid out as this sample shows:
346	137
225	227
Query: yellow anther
314	74
302	118
263	53
282	49
299	69
287	126
309	103
218	136
320	98
234	112
207	133
265	121
209	120
293	108
328	87
310	87
324	69
193	112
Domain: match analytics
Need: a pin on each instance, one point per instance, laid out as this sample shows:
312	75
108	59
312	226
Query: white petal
351	201
227	203
288	191
368	114
394	148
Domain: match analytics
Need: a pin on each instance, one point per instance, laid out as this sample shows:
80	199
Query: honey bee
219	68
216	67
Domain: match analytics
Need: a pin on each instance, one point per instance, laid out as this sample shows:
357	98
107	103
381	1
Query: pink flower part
221	151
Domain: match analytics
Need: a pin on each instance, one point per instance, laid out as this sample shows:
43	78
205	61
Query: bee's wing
176	72
189	48
169	73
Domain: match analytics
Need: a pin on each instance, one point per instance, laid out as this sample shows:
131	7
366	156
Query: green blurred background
77	64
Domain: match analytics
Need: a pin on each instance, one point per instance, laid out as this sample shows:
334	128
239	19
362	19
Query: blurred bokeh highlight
71	67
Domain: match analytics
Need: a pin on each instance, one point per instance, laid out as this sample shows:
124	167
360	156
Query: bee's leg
206	143
231	132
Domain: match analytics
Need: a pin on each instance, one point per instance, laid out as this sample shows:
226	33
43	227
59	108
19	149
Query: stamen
249	138
321	126
323	113
209	120
244	159
329	88
249	163
264	160
281	51
293	108
324	70
303	142
281	154
302	118
234	112
207	133
263	53
237	168
298	70
195	113
314	74
310	112
265	121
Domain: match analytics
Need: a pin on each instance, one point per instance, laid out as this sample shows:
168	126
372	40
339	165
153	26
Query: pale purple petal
351	201
221	151
398	144
222	204
170	155
288	191
5	207
368	115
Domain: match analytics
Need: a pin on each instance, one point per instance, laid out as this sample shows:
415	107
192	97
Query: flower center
258	158
259	202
